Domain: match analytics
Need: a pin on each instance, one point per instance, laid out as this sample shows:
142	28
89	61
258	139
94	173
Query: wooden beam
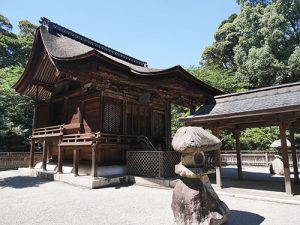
75	161
168	125
32	148
216	132
285	158
246	120
45	149
94	160
47	86
60	160
294	154
237	135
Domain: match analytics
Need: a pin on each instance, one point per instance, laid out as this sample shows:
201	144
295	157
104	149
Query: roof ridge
53	27
257	90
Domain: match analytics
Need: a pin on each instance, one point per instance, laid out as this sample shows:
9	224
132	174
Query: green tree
8	43
257	43
220	53
15	110
223	79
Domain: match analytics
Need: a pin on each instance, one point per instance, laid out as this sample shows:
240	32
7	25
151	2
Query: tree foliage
260	44
258	47
218	77
15	110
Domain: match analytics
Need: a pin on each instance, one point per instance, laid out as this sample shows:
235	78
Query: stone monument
194	200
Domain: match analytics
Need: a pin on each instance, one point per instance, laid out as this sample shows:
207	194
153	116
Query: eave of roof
55	47
65	49
280	98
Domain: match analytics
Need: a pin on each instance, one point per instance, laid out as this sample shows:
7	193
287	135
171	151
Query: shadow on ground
254	180
238	217
19	182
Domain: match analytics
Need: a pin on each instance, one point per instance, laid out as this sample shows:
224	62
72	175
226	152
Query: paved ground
257	182
27	200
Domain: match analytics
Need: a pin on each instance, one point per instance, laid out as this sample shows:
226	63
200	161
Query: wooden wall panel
158	123
91	115
42	115
58	113
73	112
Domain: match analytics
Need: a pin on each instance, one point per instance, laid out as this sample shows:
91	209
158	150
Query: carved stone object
194	200
277	165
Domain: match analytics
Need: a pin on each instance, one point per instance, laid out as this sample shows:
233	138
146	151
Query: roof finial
44	21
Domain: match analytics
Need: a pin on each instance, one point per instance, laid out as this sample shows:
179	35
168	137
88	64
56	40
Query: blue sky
162	32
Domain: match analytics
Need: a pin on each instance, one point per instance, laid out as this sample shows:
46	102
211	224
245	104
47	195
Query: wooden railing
48	132
78	139
14	160
146	143
89	138
252	159
115	138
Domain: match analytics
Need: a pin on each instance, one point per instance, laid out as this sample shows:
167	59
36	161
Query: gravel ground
27	200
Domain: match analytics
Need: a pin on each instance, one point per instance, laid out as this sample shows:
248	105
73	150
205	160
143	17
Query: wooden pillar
294	154
285	158
151	121
45	154
237	135
75	161
32	148
168	125
94	160
80	117
124	116
65	112
101	111
60	160
35	108
216	132
192	109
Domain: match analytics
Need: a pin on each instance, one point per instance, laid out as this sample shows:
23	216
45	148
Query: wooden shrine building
271	106
94	103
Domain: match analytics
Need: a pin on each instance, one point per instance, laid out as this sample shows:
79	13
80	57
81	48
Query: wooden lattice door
112	116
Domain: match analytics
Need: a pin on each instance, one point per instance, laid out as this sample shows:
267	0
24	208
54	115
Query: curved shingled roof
253	102
63	45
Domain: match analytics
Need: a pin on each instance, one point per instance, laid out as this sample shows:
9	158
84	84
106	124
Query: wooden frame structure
93	103
272	106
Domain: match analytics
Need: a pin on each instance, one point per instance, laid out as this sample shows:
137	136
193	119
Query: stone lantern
194	200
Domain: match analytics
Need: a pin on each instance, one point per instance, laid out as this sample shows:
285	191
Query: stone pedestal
194	200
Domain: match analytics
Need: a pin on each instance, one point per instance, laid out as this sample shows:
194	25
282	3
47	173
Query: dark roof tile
259	99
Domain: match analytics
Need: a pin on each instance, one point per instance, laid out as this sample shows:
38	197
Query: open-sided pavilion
264	107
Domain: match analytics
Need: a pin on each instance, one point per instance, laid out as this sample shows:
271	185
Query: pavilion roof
56	48
253	103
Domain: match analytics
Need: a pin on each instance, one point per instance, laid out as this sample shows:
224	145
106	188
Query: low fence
147	163
14	160
252	159
152	163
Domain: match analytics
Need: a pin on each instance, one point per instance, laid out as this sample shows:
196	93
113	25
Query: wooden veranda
272	106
